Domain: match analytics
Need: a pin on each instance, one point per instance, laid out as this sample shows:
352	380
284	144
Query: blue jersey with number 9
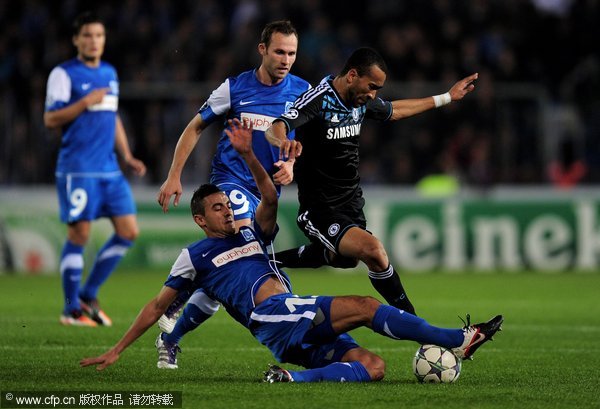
245	98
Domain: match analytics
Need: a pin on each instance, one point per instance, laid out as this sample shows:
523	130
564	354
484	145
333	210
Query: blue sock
397	324
336	372
71	268
199	308
106	260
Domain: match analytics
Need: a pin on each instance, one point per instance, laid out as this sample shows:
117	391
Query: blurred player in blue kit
232	265
82	100
258	96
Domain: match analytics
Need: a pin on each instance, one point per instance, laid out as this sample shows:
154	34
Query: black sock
387	283
310	256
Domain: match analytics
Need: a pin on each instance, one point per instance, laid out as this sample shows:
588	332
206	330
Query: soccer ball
434	364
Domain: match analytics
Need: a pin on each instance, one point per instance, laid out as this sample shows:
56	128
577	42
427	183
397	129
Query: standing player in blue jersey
82	100
232	266
259	96
328	118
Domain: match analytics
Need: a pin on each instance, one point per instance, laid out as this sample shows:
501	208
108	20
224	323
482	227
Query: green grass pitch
546	357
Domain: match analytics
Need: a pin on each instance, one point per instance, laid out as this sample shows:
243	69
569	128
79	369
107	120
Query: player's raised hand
171	186
240	135
285	174
102	361
463	87
95	96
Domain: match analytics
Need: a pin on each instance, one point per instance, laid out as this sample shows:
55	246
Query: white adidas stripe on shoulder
310	95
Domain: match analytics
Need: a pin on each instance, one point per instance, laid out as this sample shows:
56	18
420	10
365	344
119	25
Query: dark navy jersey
229	270
88	142
327	171
245	97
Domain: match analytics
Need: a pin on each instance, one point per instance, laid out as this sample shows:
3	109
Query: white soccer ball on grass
434	364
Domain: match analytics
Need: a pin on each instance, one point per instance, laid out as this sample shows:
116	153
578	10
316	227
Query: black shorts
328	225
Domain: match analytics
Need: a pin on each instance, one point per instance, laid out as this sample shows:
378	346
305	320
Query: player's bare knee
78	237
368	307
129	234
375	256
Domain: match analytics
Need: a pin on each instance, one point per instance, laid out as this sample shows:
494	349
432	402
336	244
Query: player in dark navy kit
82	100
232	266
328	119
259	96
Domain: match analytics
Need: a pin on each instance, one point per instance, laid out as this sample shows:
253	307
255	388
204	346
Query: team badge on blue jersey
355	114
248	235
288	105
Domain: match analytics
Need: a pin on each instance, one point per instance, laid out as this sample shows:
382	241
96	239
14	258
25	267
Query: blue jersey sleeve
178	283
265	238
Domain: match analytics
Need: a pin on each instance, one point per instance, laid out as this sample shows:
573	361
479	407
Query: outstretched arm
404	108
146	318
240	136
186	143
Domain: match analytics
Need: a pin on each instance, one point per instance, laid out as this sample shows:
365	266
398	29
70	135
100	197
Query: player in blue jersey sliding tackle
82	100
232	266
259	96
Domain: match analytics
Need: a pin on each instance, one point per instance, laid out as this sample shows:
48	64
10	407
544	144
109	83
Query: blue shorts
90	198
298	330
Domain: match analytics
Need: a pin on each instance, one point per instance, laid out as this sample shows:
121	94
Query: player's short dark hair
87	17
362	59
281	26
197	202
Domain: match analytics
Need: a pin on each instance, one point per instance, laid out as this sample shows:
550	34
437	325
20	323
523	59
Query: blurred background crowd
533	119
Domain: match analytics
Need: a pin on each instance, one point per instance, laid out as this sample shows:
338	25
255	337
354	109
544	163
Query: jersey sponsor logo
242	102
333	229
342	132
108	103
291	114
259	122
237	253
335	119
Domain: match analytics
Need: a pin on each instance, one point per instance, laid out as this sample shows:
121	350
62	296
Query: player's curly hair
87	17
281	26
197	202
362	59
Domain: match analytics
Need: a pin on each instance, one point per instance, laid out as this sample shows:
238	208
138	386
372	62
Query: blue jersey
244	97
88	142
229	270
